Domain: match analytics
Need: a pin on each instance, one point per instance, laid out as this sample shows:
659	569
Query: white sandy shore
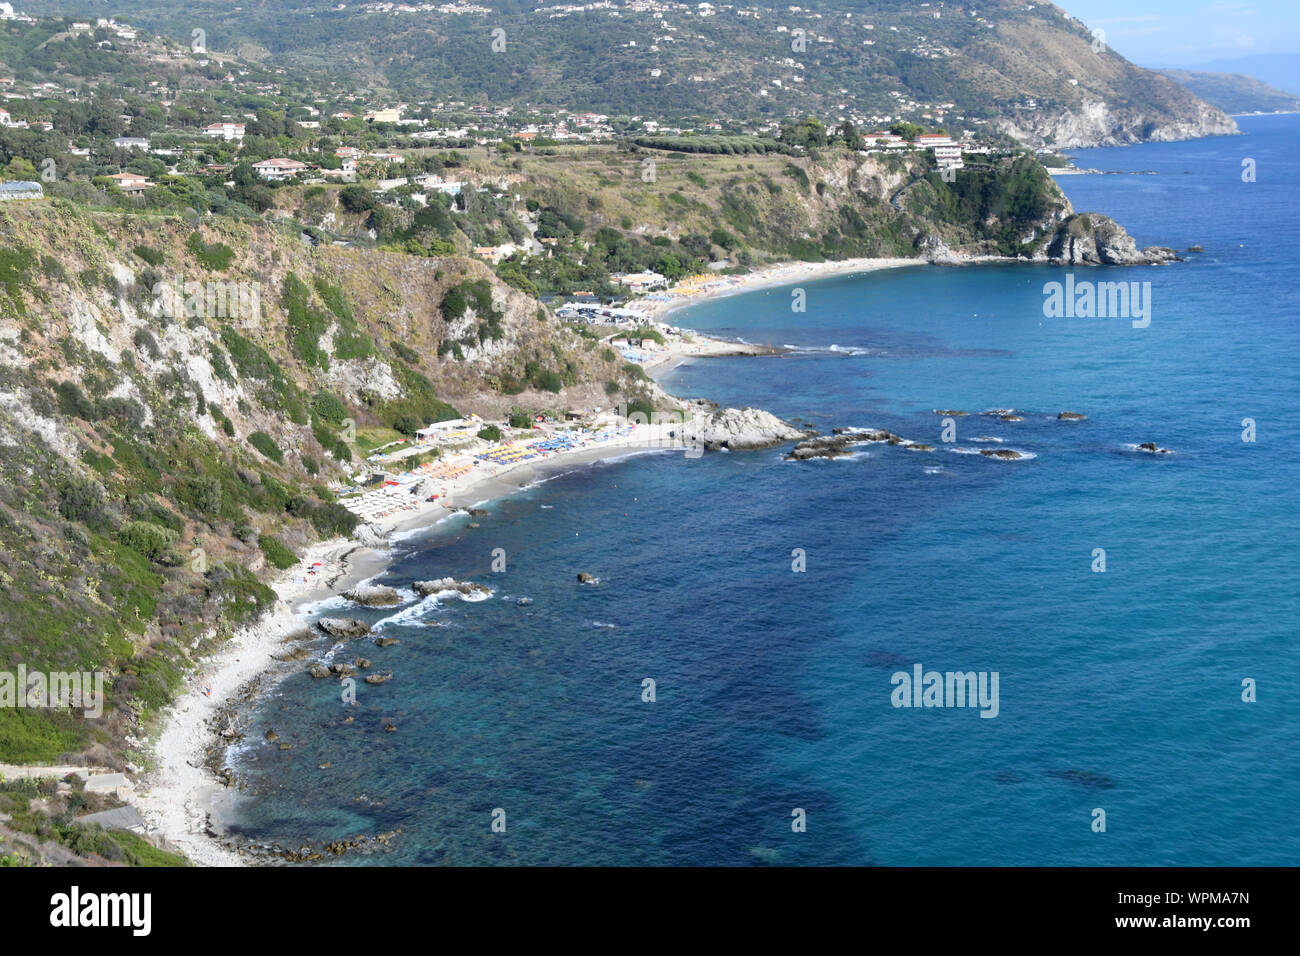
785	273
181	797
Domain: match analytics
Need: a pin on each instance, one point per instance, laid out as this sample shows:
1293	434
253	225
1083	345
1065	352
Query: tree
357	198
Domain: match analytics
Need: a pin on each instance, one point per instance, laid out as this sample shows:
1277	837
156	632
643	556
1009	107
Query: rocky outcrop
373	596
343	628
1071	417
585	577
1006	454
840	443
450	585
1094	239
739	429
370	536
1151	448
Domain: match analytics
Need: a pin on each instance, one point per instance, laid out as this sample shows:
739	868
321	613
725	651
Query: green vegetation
279	554
215	257
266	445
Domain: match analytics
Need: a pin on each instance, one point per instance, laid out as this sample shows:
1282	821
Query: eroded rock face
1094	239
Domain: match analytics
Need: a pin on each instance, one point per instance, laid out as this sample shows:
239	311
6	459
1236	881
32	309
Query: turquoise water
1118	690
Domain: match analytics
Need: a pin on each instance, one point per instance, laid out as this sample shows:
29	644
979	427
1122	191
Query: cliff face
1097	123
174	401
1093	239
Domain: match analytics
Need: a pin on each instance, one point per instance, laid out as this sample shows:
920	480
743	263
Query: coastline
774	276
182	799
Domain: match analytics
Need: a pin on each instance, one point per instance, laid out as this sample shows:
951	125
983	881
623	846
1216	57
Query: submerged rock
386	641
1010	454
1084	778
1070	417
373	596
950	411
343	627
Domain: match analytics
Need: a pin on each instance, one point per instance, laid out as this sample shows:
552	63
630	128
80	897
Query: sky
1189	32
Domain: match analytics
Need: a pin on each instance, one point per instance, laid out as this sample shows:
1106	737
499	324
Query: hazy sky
1192	31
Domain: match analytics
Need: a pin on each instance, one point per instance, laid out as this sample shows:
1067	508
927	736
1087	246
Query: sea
729	691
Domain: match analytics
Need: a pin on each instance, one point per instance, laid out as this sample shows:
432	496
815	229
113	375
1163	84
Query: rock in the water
1152	448
1070	417
1011	418
448	585
343	627
839	443
362	662
386	641
586	578
318	670
1009	454
919	446
373	596
339	669
272	736
378	678
1094	239
737	429
949	411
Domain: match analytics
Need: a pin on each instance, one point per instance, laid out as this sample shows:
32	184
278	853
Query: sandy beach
717	286
181	798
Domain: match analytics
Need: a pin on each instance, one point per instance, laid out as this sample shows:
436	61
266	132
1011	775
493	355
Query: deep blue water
1118	690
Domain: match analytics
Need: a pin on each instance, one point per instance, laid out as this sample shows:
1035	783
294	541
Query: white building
279	168
226	131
